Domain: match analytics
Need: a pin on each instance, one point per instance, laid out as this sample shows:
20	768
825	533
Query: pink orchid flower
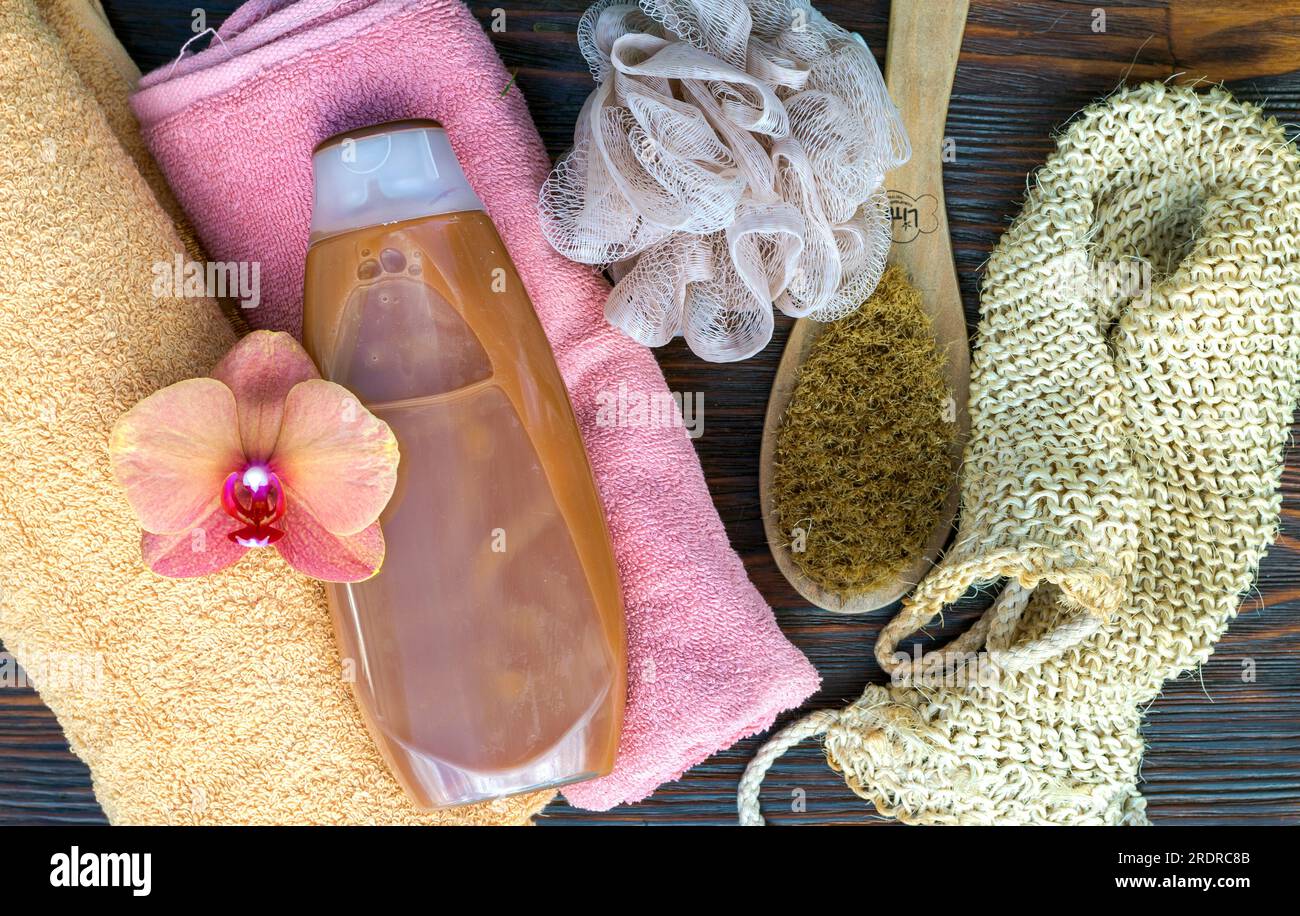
262	453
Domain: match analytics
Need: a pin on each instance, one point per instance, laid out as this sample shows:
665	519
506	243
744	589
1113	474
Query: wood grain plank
1229	41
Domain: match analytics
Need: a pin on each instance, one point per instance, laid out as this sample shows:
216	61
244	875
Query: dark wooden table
1220	751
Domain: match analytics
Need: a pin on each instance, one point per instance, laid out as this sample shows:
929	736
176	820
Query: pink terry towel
233	128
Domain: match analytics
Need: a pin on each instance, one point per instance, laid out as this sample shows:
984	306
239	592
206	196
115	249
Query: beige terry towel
218	700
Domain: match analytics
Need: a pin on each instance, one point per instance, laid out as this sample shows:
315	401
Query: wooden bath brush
920	61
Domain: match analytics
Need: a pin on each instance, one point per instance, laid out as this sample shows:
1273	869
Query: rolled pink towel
233	128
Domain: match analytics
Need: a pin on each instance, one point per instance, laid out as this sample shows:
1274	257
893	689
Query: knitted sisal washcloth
216	700
1131	394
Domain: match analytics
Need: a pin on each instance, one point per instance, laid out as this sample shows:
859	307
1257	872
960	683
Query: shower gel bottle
488	652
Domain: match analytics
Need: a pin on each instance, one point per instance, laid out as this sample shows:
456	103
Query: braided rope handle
993	632
1026	655
751	782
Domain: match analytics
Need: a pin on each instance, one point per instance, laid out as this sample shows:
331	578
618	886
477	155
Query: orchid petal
261	369
202	549
336	456
172	451
309	548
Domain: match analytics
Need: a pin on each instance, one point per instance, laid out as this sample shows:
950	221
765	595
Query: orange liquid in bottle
488	651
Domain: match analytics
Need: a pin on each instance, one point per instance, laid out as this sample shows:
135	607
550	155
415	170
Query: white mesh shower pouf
729	161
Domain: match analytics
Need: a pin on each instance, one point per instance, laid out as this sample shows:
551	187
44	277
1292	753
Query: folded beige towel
218	700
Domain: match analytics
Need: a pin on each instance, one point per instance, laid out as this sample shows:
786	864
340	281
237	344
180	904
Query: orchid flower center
255	497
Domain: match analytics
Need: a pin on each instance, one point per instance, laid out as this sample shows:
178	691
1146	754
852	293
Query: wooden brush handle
924	41
920	61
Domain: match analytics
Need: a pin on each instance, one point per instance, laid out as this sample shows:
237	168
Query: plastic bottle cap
385	174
